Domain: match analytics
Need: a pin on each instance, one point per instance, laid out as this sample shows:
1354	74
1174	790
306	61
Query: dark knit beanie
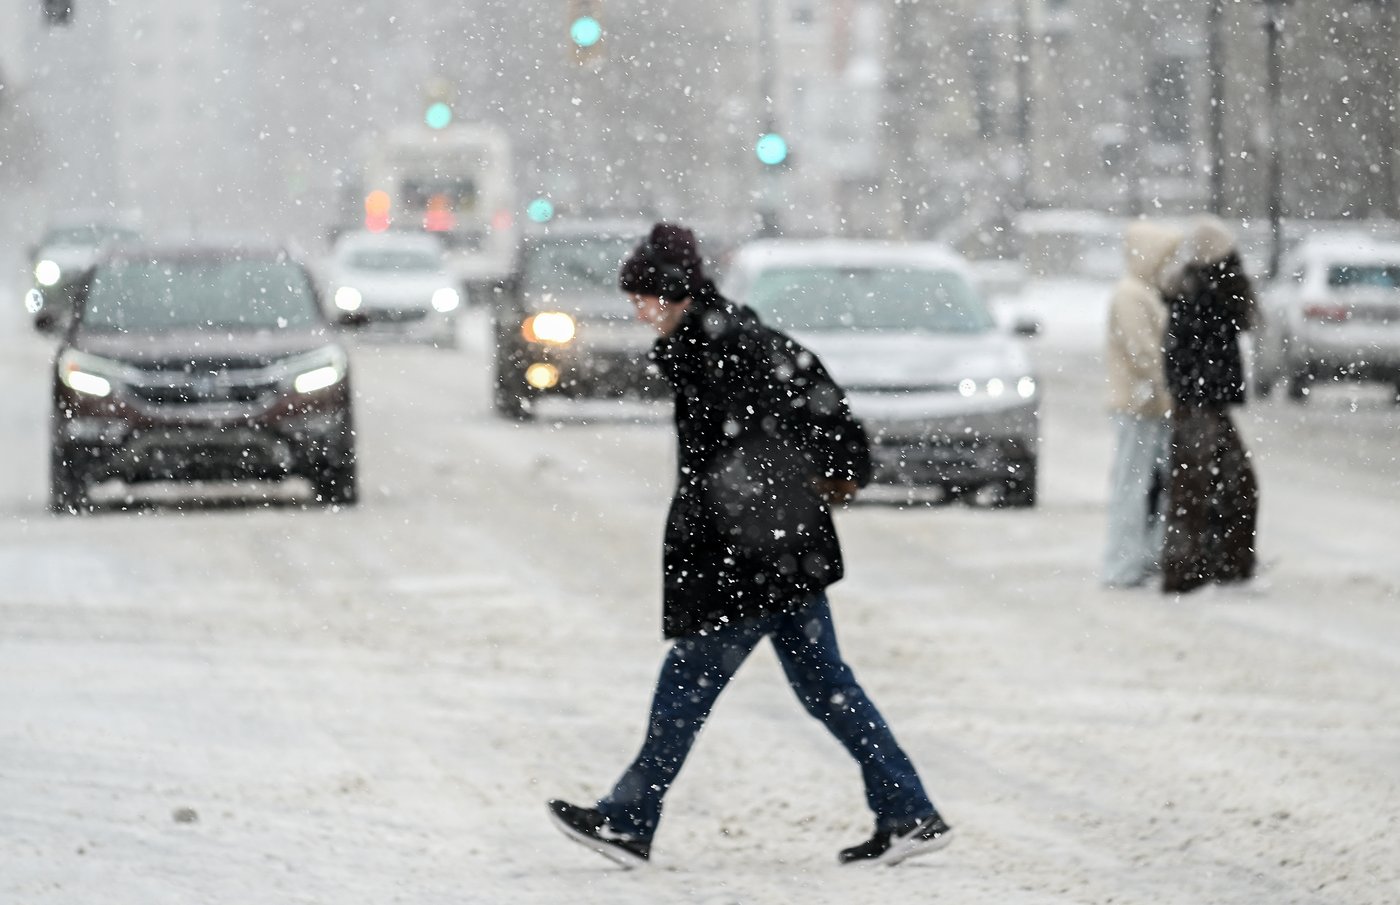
666	263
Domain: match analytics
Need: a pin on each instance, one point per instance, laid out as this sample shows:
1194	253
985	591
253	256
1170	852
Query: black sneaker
889	847
590	829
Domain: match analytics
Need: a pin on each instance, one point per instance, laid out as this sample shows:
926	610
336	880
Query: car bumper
127	438
948	442
601	360
1371	352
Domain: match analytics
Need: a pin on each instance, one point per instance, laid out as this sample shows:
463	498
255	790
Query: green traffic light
771	149
438	116
586	31
541	210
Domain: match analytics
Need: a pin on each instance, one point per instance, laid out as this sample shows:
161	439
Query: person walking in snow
1140	406
766	443
1213	498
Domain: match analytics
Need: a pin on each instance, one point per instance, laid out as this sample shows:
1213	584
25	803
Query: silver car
394	282
1333	314
948	396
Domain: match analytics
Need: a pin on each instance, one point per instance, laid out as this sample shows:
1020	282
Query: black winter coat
757	421
1208	308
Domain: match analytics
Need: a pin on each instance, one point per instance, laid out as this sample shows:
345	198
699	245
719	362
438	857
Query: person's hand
837	490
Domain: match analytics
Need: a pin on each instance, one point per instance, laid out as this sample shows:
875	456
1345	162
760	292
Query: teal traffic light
541	210
585	32
772	149
438	115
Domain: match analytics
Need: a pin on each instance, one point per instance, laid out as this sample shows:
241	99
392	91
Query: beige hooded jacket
1137	318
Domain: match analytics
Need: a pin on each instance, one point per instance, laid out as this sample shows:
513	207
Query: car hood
875	361
392	285
612	305
202	350
68	257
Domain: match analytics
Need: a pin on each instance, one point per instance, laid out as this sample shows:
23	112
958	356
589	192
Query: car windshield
154	295
87	236
1371	276
868	298
576	267
396	260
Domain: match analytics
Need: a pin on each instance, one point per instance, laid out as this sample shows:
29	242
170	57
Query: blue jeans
1136	521
696	670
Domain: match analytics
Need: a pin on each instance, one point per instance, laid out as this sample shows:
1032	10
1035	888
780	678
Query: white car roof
849	253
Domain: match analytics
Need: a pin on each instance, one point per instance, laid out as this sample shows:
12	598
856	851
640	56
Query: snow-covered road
372	705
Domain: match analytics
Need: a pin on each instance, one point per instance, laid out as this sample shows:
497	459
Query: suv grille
229	387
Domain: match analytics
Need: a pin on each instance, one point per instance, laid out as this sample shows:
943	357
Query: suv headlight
554	327
47	273
89	374
317	370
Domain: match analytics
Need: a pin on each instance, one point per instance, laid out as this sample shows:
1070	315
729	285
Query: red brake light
1327	313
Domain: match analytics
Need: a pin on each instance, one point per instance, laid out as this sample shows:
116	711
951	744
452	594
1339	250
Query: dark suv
199	364
563	328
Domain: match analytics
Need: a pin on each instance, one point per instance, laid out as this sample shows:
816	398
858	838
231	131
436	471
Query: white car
1333	313
948	397
394	282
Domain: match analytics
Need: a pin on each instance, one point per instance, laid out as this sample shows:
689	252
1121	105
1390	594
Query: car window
182	294
868	298
1376	276
584	266
394	260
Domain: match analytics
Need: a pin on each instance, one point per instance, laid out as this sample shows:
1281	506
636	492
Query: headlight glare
446	299
995	387
87	374
550	327
47	273
317	370
967	386
1026	387
316	379
348	298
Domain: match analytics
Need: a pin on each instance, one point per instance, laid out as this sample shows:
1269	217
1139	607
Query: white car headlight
33	301
47	273
88	374
967	386
318	370
446	299
550	327
348	298
1025	387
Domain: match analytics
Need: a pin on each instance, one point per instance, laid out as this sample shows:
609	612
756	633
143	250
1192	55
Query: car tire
1263	387
511	396
68	487
334	484
1020	490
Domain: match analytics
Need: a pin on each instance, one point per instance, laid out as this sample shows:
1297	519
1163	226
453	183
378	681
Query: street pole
1273	28
1215	115
767	175
1023	107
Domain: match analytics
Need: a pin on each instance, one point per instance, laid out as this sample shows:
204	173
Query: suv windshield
1374	276
394	260
152	295
585	266
868	298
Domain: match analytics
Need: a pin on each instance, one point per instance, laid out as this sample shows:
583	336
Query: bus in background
456	182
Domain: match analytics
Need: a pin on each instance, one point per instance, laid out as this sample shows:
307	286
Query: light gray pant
1136	500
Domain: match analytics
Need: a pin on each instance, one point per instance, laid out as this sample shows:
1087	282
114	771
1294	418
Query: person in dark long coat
766	444
1212	494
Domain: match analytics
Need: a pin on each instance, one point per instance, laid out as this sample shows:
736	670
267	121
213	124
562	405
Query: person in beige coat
1140	406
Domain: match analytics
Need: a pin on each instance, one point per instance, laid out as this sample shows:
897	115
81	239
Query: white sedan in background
1333	313
394	282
